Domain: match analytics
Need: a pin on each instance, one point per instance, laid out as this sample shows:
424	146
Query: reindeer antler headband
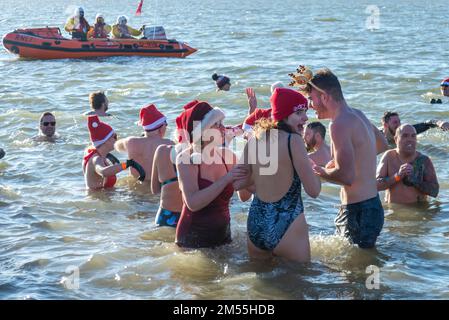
302	78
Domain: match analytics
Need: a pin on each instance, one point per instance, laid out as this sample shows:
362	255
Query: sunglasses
46	124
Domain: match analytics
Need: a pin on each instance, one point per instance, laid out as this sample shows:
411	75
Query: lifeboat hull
48	43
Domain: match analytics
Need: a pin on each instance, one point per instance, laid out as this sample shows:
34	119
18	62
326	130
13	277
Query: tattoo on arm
429	183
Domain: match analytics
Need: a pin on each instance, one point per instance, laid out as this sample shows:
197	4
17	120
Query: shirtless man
142	149
99	104
361	216
319	151
407	175
391	121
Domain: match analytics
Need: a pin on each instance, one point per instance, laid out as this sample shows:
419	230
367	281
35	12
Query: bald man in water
407	175
391	121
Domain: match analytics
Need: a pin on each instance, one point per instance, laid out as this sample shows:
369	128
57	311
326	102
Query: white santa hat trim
155	124
100	142
247	128
213	116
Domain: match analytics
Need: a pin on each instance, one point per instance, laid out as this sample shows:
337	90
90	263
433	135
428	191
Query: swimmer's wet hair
46	114
96	99
387	116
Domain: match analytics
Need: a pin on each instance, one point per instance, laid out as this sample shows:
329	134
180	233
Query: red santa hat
150	118
191	104
181	122
99	131
257	114
196	119
202	117
445	82
285	101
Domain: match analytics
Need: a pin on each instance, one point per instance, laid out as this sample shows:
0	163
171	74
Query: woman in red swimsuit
98	171
206	171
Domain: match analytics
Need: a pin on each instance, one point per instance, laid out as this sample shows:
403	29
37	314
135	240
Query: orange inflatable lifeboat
48	43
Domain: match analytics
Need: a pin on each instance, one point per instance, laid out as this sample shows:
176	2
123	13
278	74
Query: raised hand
252	100
444	125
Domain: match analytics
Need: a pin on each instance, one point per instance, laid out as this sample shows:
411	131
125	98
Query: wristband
124	166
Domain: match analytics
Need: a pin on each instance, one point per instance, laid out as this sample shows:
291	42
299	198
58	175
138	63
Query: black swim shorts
361	222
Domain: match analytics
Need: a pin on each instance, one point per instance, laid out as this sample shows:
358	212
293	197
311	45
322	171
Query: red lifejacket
99	31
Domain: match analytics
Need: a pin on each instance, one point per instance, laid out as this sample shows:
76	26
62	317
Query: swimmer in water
99	104
164	177
407	175
355	144
98	172
391	121
276	222
206	172
222	82
47	128
314	137
142	149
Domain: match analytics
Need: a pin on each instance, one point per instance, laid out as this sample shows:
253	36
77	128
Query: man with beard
407	175
99	104
391	121
354	150
314	136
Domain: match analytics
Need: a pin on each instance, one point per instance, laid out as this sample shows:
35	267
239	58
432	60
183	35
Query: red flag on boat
139	8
